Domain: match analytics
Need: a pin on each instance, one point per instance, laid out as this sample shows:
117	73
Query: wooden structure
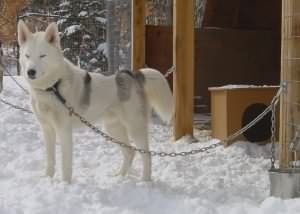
138	34
183	58
290	67
229	105
8	17
239	43
242	56
245	38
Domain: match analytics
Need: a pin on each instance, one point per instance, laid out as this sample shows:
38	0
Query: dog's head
40	55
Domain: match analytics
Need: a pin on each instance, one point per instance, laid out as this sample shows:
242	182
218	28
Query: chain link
196	151
273	104
15	106
16	82
271	107
273	135
170	71
273	125
142	151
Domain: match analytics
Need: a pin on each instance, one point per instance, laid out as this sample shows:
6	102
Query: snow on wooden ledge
235	87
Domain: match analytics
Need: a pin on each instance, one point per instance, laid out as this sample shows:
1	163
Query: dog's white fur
124	120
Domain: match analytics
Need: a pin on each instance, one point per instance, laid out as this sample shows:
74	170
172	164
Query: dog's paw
67	179
146	178
50	171
116	174
146	184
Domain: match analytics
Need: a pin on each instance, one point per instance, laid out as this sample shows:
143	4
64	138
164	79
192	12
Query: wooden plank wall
239	44
243	14
222	56
159	48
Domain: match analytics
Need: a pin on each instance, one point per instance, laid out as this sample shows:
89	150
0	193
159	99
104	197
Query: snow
103	47
72	29
232	87
101	20
93	61
83	14
64	4
61	21
232	180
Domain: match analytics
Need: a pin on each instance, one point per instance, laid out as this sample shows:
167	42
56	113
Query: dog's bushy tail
159	94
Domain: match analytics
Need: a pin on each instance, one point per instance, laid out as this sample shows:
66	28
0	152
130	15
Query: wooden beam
138	34
284	72
289	108
183	58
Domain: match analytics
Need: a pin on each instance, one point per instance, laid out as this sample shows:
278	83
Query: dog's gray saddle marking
125	79
86	94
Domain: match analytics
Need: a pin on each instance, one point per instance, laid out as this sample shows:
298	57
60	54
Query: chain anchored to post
170	71
271	107
274	103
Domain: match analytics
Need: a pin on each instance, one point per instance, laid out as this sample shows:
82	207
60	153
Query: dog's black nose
31	73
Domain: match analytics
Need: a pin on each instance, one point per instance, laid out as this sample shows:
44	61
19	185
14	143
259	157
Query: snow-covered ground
226	181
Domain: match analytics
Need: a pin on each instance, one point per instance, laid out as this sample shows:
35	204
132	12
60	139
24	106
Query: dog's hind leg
140	137
118	131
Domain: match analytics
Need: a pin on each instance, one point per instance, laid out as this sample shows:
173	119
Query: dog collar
54	89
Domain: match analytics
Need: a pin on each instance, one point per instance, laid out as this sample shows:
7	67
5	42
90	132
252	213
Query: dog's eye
42	56
27	56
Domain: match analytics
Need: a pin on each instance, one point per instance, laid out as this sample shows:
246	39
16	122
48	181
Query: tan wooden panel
229	105
219	120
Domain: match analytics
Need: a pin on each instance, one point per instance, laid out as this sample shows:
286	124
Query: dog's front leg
49	139
64	132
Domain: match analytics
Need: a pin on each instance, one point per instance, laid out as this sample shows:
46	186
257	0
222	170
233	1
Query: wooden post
138	34
290	72
183	59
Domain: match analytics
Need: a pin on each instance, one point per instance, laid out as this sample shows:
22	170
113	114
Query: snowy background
232	180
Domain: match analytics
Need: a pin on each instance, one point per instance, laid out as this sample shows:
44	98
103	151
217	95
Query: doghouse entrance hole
261	131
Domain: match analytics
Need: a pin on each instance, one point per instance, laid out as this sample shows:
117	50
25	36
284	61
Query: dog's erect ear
52	35
23	33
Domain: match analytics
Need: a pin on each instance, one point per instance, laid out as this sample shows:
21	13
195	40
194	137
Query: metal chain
142	151
21	87
273	104
113	140
170	71
16	106
273	135
14	79
271	107
174	154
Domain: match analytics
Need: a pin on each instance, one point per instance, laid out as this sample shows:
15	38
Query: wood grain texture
290	72
138	34
183	57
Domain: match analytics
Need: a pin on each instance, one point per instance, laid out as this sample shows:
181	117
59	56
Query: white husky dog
121	101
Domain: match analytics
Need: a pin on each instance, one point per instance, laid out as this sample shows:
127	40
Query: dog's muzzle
31	73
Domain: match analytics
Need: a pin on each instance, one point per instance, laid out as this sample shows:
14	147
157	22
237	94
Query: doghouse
233	107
